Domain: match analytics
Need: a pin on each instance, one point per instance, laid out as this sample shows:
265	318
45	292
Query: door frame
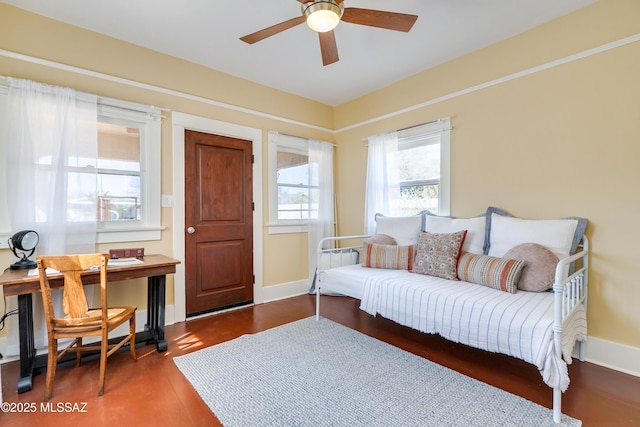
180	123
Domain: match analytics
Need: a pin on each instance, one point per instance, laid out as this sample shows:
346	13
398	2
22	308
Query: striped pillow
389	256
498	273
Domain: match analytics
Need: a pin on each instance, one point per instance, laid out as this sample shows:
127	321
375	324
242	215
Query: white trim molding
561	61
612	355
181	122
158	89
552	64
286	290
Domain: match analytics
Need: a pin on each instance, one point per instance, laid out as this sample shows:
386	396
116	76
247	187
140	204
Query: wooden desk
18	282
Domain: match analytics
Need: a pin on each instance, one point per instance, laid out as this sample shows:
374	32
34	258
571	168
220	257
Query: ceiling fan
323	16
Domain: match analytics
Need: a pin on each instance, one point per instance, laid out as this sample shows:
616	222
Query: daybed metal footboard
570	291
334	257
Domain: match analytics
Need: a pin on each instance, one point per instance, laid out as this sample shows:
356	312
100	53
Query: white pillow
473	243
405	229
557	235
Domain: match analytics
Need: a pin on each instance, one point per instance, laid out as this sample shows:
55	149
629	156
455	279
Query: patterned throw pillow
498	273
389	256
438	253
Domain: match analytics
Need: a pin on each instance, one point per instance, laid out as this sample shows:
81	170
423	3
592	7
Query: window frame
300	145
149	120
438	129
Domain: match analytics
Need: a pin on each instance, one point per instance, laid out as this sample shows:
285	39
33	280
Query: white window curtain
321	157
383	178
49	153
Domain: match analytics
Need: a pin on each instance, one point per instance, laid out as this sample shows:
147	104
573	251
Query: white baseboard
619	357
285	290
11	352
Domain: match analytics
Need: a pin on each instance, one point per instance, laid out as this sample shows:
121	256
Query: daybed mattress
519	325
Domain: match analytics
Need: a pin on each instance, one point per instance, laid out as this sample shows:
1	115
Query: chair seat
92	321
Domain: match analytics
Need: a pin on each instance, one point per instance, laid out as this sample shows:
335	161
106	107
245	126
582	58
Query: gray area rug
320	373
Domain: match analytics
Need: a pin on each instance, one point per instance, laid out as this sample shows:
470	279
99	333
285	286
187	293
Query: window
128	193
422	156
111	183
121	186
297	185
408	172
294	188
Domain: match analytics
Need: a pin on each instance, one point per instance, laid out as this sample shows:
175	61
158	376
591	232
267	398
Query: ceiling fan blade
272	30
328	47
378	18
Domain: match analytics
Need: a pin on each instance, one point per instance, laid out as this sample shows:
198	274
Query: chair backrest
74	301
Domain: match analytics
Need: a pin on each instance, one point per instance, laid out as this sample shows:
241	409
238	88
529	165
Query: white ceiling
207	32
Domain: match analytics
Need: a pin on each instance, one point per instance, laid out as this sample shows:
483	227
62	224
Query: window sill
113	235
288	228
137	234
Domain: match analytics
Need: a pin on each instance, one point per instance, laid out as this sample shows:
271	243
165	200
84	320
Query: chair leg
132	341
78	351
104	348
52	361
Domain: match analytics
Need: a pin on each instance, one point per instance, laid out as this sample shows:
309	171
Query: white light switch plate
167	201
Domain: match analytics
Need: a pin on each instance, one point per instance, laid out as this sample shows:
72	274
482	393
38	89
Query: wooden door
218	222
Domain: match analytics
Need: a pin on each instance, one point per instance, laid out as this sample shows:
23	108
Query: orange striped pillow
498	273
389	256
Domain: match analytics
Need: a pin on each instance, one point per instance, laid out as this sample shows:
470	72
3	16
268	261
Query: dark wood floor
152	391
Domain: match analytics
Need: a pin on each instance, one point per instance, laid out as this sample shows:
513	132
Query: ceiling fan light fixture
322	16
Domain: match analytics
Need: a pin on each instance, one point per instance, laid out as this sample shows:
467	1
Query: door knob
191	230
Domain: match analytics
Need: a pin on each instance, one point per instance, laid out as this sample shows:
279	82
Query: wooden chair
81	321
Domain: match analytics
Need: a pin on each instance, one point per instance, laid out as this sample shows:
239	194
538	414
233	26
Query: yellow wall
556	142
564	141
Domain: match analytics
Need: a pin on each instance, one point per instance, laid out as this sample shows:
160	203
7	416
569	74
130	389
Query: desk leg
27	345
156	287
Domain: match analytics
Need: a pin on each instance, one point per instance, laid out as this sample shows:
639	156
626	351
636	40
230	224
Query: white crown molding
567	59
558	62
108	77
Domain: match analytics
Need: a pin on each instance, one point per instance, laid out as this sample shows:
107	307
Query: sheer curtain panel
321	159
383	178
50	163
